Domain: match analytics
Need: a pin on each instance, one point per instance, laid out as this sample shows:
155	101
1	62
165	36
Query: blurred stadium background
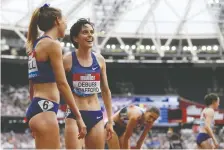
167	53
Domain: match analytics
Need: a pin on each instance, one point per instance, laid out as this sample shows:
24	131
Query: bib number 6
45	104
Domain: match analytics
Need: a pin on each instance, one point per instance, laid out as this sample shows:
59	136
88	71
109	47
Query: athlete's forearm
126	144
210	132
140	142
106	95
142	137
139	145
68	97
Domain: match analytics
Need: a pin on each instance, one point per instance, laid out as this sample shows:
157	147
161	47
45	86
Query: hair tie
44	6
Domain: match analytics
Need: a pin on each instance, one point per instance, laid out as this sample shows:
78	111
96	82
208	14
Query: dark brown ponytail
33	30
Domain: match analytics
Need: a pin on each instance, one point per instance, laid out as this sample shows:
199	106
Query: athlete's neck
52	34
211	106
84	53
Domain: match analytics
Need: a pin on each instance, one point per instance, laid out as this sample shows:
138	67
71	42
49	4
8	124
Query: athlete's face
62	26
86	36
150	117
216	103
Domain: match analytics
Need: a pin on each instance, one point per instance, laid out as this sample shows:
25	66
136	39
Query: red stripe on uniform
77	76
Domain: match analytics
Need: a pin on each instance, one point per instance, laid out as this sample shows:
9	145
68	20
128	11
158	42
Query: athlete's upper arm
104	81
143	136
55	56
67	62
130	127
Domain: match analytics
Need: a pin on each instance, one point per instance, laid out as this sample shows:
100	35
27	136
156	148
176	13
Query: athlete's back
45	78
207	122
206	112
45	70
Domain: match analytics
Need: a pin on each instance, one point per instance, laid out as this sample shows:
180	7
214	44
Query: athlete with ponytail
47	78
206	138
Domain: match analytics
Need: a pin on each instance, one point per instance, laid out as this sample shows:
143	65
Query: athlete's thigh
121	139
71	135
198	146
113	143
46	130
206	144
95	139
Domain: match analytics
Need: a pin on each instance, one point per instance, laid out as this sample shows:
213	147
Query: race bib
87	83
32	66
45	105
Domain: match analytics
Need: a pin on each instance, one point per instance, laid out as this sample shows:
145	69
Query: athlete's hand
110	130
216	145
82	128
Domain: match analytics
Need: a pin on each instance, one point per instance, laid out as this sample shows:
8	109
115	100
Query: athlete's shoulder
52	45
67	61
208	111
67	55
49	42
134	111
99	56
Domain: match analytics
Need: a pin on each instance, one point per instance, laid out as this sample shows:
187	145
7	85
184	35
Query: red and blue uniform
40	72
84	82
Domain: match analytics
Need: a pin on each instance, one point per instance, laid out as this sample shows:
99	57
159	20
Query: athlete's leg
121	141
206	144
95	139
71	135
46	130
199	147
113	143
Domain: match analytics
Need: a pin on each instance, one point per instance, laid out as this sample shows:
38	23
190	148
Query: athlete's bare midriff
87	103
47	91
202	130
